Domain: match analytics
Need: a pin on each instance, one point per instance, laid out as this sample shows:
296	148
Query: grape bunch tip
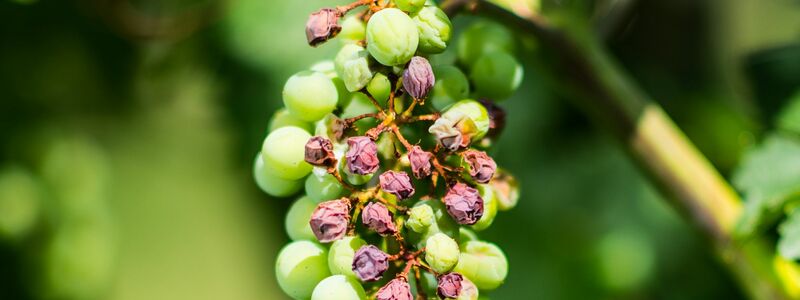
387	105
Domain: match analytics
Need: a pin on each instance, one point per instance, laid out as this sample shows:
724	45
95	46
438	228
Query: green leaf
768	178
789	242
789	118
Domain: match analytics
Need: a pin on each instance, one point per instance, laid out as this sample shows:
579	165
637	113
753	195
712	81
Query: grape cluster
390	151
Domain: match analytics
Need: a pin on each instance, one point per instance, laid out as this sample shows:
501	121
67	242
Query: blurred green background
127	131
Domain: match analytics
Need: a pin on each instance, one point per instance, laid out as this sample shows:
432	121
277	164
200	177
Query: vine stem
588	74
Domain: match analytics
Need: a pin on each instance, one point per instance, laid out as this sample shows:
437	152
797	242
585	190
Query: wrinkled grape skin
323	188
309	95
483	263
297	218
392	37
340	258
339	287
451	85
284	151
434	30
475	111
352	65
481	38
300	266
270	183
496	76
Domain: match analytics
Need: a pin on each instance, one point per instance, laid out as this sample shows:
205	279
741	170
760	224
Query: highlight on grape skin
393	210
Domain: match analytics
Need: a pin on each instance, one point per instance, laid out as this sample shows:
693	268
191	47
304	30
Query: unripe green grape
434	30
297	218
340	257
339	287
328	68
20	203
353	29
451	85
284	151
380	87
409	6
483	263
496	76
301	265
506	189
352	65
442	223
283	118
309	95
323	188
475	111
271	183
420	218
392	37
441	252
481	38
489	207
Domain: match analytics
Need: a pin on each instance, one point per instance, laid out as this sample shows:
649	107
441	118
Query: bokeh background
128	127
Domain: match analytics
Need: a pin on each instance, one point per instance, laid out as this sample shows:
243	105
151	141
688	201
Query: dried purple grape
481	166
449	285
464	204
322	26
378	218
319	152
420	162
396	289
397	183
369	263
329	220
362	155
418	77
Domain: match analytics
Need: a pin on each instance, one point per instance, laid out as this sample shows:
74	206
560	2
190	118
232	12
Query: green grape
323	188
441	252
283	118
301	265
352	65
489	207
297	219
20	202
392	37
353	29
483	38
442	223
310	95
380	87
434	30
451	85
284	151
328	68
483	263
420	218
496	76
475	111
340	257
270	183
78	261
339	287
506	189
410	6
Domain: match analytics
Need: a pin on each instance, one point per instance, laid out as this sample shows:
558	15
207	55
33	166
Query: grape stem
582	68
